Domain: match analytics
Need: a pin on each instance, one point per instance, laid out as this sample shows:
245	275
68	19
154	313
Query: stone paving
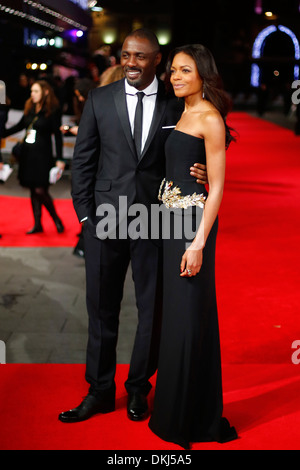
43	315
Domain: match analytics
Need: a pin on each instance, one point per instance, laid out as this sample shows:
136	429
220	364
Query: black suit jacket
105	165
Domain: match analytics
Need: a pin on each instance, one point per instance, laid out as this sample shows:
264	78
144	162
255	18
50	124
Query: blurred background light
258	48
164	37
258	43
258	7
109	36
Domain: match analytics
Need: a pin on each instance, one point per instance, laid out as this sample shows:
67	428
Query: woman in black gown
188	400
41	119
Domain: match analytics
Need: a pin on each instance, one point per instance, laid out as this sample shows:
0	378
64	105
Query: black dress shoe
78	252
87	408
59	226
36	229
137	407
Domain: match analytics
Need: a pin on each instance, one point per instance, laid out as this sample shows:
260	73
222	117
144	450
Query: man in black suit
107	165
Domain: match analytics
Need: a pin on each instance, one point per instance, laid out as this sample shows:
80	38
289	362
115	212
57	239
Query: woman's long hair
49	102
212	83
111	74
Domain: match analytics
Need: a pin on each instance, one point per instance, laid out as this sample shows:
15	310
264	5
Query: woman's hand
69	130
61	165
191	262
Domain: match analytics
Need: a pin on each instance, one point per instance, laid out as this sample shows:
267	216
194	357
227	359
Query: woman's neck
193	102
38	108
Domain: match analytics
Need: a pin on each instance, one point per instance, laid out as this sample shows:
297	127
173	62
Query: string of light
41	22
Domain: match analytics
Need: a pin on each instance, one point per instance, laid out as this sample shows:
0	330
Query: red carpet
258	253
258	280
262	402
18	219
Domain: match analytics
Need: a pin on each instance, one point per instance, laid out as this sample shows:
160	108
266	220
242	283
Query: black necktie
138	123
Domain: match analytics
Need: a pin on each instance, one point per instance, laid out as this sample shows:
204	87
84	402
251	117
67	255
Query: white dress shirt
149	101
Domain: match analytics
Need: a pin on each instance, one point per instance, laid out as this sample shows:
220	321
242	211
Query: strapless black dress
188	403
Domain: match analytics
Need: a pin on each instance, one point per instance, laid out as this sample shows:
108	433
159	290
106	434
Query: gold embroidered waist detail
171	197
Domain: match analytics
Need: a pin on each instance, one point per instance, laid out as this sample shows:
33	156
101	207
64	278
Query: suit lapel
121	106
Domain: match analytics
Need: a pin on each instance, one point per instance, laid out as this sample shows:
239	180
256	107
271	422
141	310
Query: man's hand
199	172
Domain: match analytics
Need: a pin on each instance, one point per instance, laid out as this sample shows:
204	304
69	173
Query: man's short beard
134	83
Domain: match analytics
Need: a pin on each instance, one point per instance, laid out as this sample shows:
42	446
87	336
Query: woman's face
185	78
36	93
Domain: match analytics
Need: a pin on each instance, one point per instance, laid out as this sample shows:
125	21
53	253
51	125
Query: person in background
82	87
3	119
101	58
41	119
20	92
111	74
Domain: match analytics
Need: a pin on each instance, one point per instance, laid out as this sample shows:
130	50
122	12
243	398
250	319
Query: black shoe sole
33	231
104	410
140	418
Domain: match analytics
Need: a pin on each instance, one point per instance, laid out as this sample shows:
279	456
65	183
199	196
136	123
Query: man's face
139	61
